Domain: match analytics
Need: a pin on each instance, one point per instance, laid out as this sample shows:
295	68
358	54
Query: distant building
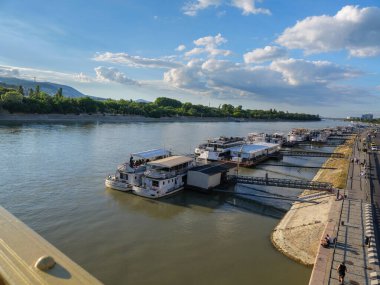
367	116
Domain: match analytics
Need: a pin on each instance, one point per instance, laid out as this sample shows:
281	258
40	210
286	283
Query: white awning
150	154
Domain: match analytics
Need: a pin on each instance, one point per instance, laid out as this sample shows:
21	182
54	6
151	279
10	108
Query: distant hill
142	101
48	87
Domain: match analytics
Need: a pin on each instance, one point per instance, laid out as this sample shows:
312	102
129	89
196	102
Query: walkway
353	226
350	223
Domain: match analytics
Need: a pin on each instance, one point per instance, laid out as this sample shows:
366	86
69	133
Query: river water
52	178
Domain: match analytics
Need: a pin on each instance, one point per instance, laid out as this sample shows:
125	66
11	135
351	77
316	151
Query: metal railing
279	182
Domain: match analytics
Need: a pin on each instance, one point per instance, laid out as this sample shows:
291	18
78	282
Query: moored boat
218	148
164	177
298	135
130	173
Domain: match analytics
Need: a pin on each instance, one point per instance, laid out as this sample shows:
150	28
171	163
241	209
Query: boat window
163	182
155	183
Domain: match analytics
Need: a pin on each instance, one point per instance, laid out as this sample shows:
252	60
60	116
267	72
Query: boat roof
225	140
211	169
151	153
249	148
170	161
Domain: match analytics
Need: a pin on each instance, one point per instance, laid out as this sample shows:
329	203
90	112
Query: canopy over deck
150	154
252	148
171	161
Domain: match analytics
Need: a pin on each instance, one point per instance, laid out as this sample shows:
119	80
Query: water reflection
51	177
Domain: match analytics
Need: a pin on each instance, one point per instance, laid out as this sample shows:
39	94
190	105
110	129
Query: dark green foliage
372	121
21	90
59	93
167	102
40	102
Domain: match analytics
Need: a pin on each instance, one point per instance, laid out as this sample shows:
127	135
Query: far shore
107	118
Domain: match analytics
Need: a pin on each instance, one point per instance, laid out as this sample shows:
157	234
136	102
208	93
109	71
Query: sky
320	57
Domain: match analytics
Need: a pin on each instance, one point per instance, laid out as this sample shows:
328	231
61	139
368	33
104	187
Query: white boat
321	137
164	177
249	153
219	148
257	137
276	138
298	135
129	173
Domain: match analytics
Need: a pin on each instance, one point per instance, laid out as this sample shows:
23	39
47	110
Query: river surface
52	178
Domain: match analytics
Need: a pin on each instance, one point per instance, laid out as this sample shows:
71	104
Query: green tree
21	90
59	93
31	93
168	102
37	91
11	97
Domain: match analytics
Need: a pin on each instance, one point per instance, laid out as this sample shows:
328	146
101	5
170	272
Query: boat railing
164	174
159	174
125	167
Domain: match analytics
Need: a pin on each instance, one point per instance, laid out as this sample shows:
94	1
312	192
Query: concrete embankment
299	232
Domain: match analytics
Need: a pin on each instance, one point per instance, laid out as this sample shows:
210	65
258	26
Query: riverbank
107	118
299	232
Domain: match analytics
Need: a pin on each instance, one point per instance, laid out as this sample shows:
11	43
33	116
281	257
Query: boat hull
117	185
147	193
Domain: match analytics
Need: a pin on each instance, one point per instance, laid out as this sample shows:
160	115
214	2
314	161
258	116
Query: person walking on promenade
342	269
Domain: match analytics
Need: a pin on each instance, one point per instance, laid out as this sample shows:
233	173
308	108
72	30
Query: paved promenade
351	220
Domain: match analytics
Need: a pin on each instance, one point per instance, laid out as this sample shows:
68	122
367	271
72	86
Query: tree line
17	100
372	121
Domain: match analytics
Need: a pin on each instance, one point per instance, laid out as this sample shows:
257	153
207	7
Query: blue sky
303	56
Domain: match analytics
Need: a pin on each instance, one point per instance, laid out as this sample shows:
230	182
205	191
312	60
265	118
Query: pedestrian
342	269
337	195
367	241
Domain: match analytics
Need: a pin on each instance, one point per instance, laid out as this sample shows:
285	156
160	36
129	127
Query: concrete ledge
374	275
21	247
372	255
321	269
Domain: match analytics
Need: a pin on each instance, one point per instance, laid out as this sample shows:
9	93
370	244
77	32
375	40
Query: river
52	178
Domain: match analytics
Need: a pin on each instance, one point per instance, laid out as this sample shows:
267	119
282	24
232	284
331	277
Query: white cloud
81	77
192	8
107	74
9	71
210	42
209	46
186	77
181	48
247	6
302	72
352	28
292	81
267	53
135	61
42	74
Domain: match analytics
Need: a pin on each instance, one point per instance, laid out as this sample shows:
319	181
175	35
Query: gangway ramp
280	182
311	153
